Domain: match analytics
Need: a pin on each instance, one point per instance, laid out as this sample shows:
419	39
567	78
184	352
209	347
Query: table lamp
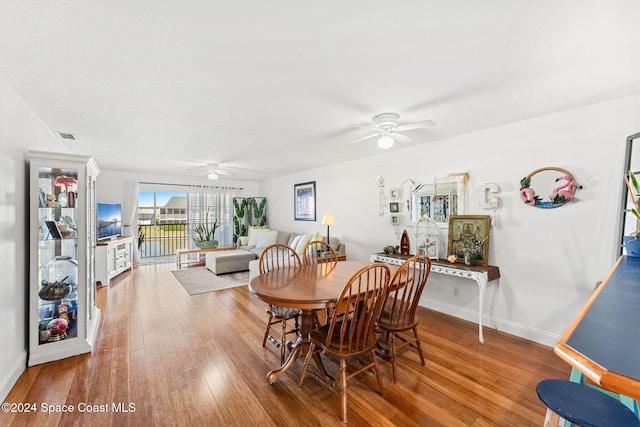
327	220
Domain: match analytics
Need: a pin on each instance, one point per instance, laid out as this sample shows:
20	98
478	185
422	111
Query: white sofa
249	248
296	240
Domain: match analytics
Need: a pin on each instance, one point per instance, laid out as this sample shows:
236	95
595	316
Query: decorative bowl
206	244
51	291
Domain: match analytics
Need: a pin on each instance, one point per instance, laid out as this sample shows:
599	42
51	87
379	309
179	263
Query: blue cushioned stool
583	405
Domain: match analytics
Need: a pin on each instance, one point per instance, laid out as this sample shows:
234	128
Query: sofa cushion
254	233
266	238
283	237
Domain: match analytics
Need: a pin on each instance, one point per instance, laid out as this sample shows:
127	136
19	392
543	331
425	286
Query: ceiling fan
388	131
214	171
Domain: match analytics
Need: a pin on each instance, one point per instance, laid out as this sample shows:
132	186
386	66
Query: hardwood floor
197	360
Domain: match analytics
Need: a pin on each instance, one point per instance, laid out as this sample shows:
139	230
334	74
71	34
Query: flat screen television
109	220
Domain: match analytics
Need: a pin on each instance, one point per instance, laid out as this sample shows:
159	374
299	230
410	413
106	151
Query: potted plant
205	233
632	241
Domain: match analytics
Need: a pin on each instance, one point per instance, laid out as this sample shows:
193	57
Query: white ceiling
268	88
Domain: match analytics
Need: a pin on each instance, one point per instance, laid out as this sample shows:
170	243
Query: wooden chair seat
582	405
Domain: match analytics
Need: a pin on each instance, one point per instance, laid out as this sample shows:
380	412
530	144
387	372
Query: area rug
199	280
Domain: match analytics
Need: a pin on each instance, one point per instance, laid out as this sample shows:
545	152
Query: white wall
21	130
550	259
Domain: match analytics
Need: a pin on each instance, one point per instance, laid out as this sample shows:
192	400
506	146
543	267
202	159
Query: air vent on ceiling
66	135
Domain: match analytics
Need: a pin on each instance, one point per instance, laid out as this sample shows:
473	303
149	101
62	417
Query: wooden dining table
309	288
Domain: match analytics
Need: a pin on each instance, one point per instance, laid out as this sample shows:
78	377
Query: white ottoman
221	262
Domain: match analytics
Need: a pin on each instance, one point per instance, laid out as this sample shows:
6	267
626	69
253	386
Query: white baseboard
519	330
11	377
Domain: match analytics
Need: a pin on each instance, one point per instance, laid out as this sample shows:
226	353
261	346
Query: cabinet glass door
58	254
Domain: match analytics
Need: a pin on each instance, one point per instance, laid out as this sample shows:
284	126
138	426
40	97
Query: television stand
113	257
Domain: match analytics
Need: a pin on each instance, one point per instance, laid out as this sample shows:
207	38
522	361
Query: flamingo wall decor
548	187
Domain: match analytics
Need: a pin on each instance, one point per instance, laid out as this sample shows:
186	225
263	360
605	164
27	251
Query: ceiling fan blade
367	126
222	172
373	135
400	138
416	125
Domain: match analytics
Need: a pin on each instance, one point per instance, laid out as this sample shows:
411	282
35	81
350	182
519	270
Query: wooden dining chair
278	257
398	315
350	334
317	252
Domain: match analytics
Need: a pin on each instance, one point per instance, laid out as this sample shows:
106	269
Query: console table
482	274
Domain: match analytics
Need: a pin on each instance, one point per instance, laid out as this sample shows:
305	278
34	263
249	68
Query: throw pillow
256	227
304	239
294	241
266	238
254	233
316	238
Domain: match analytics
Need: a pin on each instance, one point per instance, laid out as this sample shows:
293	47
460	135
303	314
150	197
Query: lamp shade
327	219
385	142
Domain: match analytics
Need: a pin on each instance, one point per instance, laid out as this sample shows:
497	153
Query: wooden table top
311	287
603	342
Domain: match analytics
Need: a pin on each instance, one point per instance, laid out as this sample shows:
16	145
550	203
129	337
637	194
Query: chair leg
376	369
552	419
307	361
283	341
343	388
266	332
418	346
392	355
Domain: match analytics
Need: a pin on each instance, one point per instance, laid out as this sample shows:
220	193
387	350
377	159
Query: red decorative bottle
404	243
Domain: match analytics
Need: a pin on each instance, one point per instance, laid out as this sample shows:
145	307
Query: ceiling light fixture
385	142
212	176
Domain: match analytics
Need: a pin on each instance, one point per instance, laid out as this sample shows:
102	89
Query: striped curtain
217	203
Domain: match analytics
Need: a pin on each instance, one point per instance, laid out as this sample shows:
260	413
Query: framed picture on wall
469	235
394	207
304	203
395	220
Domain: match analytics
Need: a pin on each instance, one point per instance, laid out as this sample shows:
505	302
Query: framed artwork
304	203
469	235
394	207
394	193
395	220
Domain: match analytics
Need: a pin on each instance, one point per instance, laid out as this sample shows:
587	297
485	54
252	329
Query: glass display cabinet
63	317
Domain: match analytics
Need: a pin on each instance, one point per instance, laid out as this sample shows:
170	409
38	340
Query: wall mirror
439	200
548	187
632	162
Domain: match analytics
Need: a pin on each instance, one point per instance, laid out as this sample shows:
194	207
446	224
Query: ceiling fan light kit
388	130
215	171
385	142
